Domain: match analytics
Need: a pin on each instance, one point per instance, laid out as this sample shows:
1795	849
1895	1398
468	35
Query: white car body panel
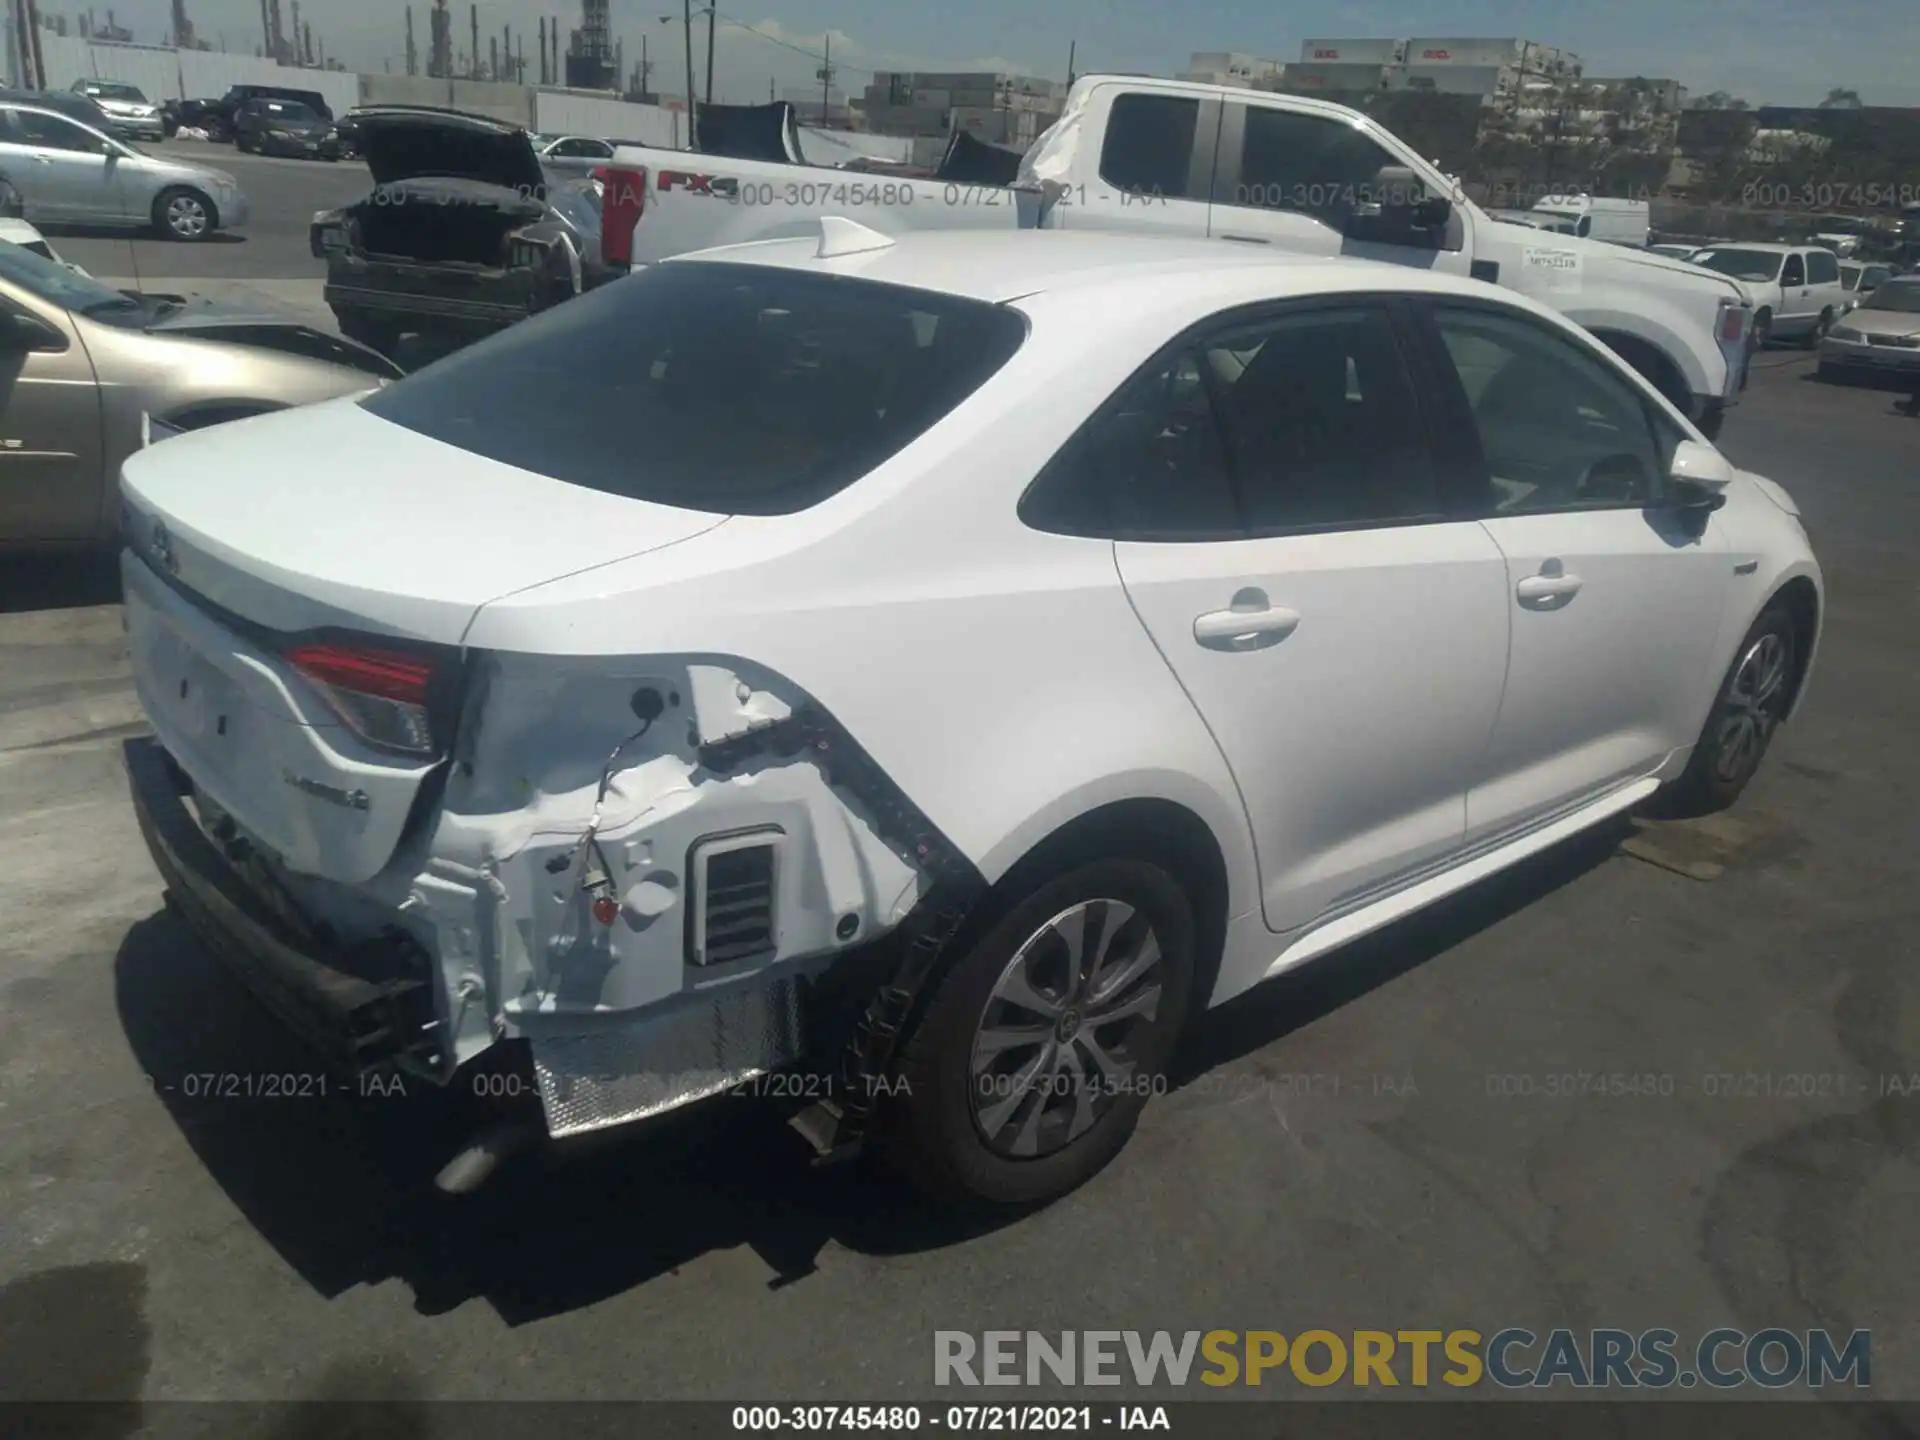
1003	681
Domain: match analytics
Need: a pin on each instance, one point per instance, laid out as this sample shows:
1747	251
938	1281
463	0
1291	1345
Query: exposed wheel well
1653	363
1803	604
1161	831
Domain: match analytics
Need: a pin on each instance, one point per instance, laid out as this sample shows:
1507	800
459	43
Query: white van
1624	222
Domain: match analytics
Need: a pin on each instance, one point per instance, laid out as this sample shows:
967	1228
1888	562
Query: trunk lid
331	528
402	143
328	516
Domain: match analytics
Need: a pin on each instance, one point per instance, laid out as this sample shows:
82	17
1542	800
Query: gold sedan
90	374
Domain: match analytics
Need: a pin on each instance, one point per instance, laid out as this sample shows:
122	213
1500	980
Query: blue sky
1781	51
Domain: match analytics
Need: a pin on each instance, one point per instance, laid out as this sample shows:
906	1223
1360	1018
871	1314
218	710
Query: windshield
56	285
1741	264
288	110
1900	296
108	91
732	389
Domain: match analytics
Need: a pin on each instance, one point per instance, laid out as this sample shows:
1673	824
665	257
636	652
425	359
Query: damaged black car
463	234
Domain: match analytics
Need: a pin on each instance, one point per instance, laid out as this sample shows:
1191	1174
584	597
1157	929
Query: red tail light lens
381	695
1733	323
623	199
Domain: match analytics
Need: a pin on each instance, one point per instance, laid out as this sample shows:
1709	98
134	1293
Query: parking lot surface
1369	1144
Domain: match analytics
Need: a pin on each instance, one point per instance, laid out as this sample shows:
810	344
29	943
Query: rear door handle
1248	239
1244	629
1536	589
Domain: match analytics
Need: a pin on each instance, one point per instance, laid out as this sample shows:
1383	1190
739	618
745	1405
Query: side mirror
1698	478
1700	465
1395	209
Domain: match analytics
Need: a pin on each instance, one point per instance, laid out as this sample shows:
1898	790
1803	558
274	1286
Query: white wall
560	113
185	74
834	147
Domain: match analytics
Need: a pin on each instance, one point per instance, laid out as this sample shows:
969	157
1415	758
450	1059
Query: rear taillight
623	198
380	695
1733	322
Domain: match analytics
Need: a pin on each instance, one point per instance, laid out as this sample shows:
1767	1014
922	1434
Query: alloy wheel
186	217
1756	701
1059	1039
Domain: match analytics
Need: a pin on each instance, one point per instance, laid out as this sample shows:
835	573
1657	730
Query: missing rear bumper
365	1009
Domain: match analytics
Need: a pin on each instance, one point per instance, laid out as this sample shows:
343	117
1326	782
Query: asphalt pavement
1367	1144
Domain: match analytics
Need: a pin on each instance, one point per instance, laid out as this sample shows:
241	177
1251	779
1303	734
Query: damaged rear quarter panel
503	890
997	675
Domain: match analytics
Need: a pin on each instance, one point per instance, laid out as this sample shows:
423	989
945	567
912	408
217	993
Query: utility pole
493	57
543	51
692	134
826	79
712	11
299	55
1072	45
413	53
473	55
646	70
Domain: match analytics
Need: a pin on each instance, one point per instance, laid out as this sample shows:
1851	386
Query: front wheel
1762	329
1820	329
1748	709
183	214
1046	1039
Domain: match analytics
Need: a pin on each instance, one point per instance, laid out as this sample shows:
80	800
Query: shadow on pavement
340	1183
70	231
62	581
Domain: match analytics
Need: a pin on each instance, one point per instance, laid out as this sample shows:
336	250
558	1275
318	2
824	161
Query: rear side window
1823	267
733	389
1149	147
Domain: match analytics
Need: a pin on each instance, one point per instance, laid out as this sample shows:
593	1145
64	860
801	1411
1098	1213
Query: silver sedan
54	168
1881	337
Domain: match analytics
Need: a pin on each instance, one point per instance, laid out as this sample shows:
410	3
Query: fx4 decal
724	187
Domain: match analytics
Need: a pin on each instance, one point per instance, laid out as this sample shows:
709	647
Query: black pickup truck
463	234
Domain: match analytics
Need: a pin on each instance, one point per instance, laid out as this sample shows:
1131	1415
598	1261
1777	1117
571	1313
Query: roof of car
998	266
1765	246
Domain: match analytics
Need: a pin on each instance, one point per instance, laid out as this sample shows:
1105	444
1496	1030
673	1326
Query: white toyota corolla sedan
912	678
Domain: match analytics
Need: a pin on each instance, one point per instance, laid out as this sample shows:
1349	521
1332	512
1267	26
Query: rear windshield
733	389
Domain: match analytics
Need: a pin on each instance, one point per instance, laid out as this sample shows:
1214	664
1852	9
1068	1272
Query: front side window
731	389
1306	164
1794	272
1558	429
1149	147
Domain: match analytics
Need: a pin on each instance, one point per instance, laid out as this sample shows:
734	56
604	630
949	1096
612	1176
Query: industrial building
1222	67
1501	72
1000	109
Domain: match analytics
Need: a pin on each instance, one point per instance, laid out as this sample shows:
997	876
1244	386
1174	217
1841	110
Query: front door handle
1248	629
1544	590
1248	239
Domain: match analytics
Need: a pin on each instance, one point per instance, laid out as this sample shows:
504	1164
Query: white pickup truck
1245	166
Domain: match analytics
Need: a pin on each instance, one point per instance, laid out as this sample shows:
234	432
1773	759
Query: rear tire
985	1117
1820	329
1762	329
1746	714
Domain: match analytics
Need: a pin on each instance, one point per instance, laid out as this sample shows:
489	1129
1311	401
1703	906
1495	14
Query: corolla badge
161	543
332	794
